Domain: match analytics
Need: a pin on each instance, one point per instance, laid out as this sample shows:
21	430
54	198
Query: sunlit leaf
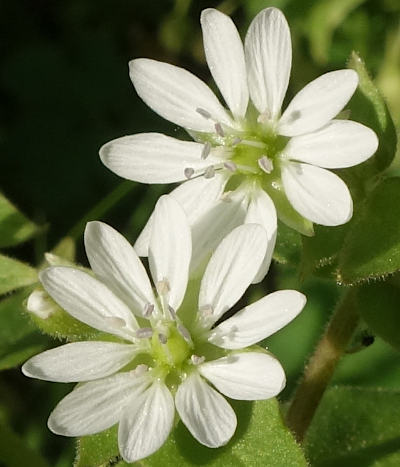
356	427
15	228
14	274
372	247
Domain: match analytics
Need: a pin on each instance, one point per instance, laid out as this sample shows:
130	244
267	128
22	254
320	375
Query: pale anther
144	333
140	370
116	322
172	312
226	197
266	164
184	333
162	338
236	141
203	113
206	150
196	360
231	166
163	287
188	172
148	310
219	130
206	310
209	172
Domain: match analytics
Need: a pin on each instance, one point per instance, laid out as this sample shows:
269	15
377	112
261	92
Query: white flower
251	146
165	349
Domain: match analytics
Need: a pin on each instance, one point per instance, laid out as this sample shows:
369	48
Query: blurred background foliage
65	90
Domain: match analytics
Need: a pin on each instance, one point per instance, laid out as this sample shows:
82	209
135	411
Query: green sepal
261	438
368	107
379	307
372	247
15	228
14	274
356	427
288	245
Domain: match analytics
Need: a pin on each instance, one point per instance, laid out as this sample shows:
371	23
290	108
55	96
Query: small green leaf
356	427
288	245
14	358
65	249
325	17
260	439
382	320
14	274
367	106
15	228
372	247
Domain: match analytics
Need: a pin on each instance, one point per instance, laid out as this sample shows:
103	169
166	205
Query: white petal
96	406
246	376
225	57
232	268
89	300
79	361
206	414
261	210
210	228
339	144
196	197
317	194
115	262
153	158
259	320
317	103
269	59
176	94
170	248
146	423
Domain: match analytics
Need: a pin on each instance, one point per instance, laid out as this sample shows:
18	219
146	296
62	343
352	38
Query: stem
102	207
322	364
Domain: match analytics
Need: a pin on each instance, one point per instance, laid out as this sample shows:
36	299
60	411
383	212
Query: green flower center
169	348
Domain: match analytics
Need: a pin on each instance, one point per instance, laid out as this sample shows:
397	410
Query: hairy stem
322	364
102	207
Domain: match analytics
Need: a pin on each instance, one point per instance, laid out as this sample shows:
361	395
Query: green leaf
324	19
356	427
260	439
14	451
15	228
14	274
288	245
14	358
65	249
367	106
382	320
372	247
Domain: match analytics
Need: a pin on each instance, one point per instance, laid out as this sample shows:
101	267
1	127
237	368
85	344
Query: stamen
140	370
206	310
231	166
184	333
144	333
116	322
196	360
163	287
162	338
206	150
148	310
226	197
172	312
188	172
266	164
209	172
204	113
219	130
236	141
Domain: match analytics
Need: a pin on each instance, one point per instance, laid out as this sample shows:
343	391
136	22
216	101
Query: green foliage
372	247
288	245
18	341
324	19
261	439
368	107
15	228
14	274
379	305
356	427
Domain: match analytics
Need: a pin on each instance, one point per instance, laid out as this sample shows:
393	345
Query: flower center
170	345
